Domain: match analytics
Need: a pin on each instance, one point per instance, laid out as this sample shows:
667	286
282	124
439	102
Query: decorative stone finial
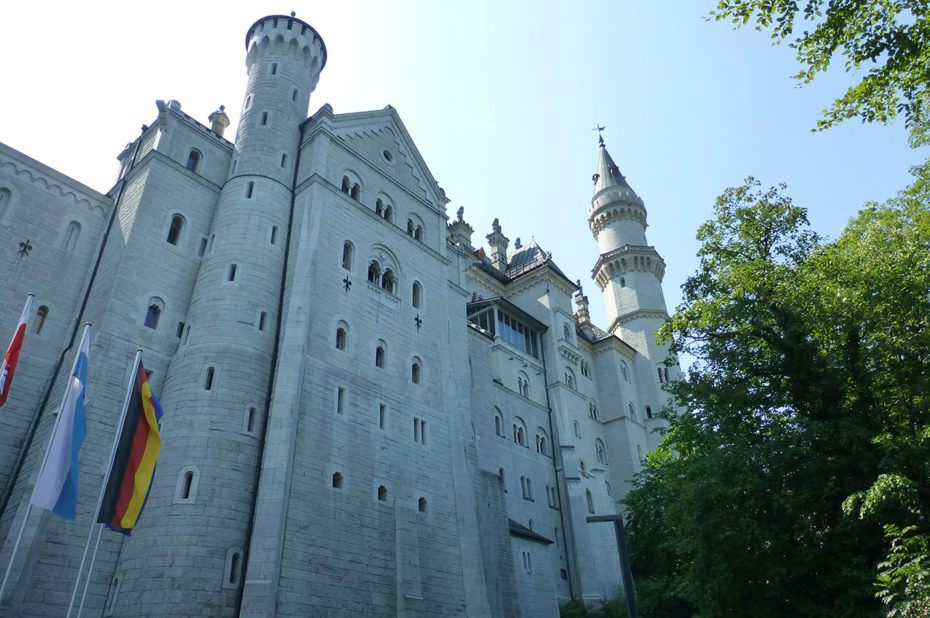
293	13
460	213
516	244
496	225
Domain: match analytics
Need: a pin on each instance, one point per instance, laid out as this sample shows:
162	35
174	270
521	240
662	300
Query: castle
367	412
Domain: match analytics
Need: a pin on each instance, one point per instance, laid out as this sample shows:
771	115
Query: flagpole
106	479
6	378
48	449
90	569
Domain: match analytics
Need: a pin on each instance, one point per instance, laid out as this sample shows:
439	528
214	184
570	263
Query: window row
381	276
156	308
339	481
380	352
383	209
519	432
419	424
177	231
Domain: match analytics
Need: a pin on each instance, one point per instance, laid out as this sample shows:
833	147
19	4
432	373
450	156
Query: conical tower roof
608	174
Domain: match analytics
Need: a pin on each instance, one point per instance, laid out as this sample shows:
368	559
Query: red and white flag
12	353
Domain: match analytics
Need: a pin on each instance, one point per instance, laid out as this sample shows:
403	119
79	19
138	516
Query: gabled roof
380	138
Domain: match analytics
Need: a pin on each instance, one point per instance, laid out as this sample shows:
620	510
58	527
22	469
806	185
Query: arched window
374	272
421	504
152	314
337	480
566	332
417	294
523	384
348	252
592	411
415	371
569	378
576	429
382	493
418	233
665	373
501	478
388	280
607	487
379	207
6	196
631	410
648	412
519	432
71	236
388	213
380	354
345	184
187	485
41	315
600	451
233	575
342	336
589	499
193	160
498	423
174	231
661	375
582	467
208	378
542	442
410	227
354	192
624	371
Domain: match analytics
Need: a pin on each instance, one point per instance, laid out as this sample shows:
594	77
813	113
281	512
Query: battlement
289	29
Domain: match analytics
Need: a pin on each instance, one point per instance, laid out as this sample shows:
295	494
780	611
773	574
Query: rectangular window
262	317
210	246
340	400
264	118
382	416
203	247
249	189
419	430
180	329
273	237
231	272
208	379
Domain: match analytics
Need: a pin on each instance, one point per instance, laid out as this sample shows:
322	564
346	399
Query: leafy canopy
887	42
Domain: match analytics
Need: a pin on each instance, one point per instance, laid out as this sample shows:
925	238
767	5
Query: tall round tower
629	272
188	554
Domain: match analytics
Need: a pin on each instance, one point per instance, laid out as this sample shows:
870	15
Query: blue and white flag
56	488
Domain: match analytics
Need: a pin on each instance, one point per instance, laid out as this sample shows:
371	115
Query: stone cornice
32	172
633	315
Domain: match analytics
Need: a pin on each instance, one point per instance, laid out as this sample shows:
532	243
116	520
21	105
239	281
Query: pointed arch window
71	236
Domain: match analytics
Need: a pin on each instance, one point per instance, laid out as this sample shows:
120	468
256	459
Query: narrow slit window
249	190
294	95
382	493
337	480
180	330
421	504
340	400
41	316
274	68
203	247
273	236
262	318
231	272
283	159
264	118
187	484
250	420
208	379
382	416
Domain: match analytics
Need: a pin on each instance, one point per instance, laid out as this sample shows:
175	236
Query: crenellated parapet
627	259
606	211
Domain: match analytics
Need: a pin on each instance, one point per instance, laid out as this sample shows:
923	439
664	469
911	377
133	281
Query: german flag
134	462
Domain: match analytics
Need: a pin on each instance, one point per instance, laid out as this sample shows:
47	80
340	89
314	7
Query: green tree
810	384
886	41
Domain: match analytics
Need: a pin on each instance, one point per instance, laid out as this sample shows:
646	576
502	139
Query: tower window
152	315
418	233
382	493
355	191
341	337
208	378
417	294
340	400
415	372
421	504
283	159
203	247
374	272
273	236
262	317
193	160
347	253
174	232
379	357
248	102
274	68
233	569
251	420
5	196
345	184
294	95
71	236
419	430
388	213
187	485
387	281
41	314
590	500
249	190
648	412
622	282
231	272
337	480
382	416
264	118
379	207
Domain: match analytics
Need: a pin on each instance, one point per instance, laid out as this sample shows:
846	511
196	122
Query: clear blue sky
500	97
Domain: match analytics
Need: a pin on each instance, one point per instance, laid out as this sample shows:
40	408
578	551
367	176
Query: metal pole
90	570
625	574
103	488
48	448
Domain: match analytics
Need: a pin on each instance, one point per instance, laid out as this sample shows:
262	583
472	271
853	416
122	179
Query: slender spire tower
629	272
190	553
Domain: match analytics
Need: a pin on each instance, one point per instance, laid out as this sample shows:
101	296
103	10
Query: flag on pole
133	467
56	487
12	353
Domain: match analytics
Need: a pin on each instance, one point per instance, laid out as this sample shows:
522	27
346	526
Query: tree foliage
887	42
802	462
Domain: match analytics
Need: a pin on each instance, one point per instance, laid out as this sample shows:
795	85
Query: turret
629	272
217	383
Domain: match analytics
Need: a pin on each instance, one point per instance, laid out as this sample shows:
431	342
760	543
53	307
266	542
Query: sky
501	98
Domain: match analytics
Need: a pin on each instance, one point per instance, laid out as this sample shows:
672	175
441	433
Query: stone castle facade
366	414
